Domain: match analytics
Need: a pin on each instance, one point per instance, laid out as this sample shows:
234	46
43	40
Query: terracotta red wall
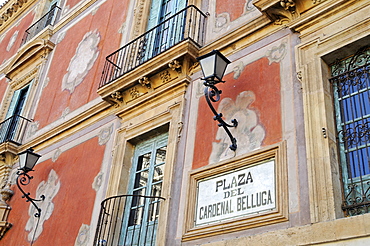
235	8
107	21
23	25
262	79
73	204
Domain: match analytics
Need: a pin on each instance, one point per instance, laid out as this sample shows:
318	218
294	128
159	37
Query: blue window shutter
12	104
15	104
154	14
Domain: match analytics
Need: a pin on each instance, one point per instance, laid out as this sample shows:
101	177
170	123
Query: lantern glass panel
221	65
208	66
28	159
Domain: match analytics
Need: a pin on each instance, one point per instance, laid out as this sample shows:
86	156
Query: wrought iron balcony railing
128	220
13	129
187	24
46	20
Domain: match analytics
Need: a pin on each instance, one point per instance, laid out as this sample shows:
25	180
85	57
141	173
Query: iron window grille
351	89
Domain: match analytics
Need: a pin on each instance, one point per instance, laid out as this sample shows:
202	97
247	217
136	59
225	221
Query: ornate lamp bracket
24	179
212	95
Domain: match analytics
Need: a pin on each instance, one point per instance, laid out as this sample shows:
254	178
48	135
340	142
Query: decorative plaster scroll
238	69
50	189
122	29
56	155
2	37
60	37
65	112
95	10
105	134
83	236
277	53
249	7
33	127
249	133
299	76
222	21
144	81
86	54
98	180
12	40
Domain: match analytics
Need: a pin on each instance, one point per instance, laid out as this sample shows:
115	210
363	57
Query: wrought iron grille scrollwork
213	94
351	88
23	179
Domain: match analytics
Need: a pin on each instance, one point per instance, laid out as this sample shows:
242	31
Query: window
351	88
146	177
168	29
51	13
14	124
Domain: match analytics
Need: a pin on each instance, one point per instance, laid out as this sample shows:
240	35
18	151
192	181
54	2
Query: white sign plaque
249	190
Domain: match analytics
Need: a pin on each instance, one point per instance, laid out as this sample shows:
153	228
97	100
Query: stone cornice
12	10
63	130
323	11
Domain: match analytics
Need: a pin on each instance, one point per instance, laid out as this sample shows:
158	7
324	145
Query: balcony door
10	126
146	177
169	29
51	14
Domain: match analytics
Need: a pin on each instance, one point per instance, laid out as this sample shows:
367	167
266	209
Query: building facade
112	96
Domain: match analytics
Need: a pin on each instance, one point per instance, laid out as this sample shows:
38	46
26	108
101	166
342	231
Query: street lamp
27	160
213	67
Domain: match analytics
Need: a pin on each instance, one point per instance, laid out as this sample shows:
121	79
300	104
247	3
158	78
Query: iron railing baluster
180	27
46	20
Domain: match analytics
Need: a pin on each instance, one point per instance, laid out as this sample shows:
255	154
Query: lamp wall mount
213	95
24	179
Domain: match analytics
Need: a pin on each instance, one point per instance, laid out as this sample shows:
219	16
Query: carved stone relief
86	54
11	10
283	12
